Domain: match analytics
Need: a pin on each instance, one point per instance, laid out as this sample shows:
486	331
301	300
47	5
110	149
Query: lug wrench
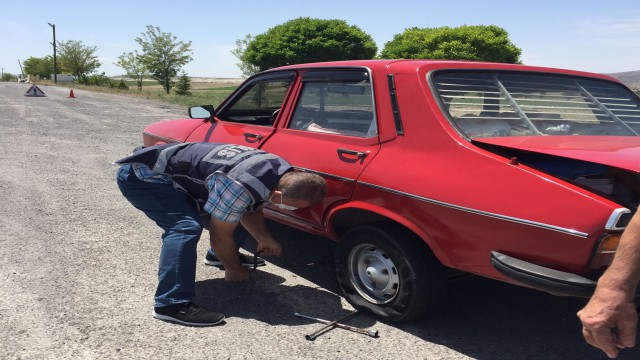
331	324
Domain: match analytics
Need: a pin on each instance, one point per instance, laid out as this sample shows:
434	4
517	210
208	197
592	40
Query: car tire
388	271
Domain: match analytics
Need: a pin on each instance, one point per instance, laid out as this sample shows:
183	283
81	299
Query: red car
522	174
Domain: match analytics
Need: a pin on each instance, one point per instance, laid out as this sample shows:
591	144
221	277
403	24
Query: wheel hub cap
373	273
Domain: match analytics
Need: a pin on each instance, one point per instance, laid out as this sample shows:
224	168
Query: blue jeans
176	213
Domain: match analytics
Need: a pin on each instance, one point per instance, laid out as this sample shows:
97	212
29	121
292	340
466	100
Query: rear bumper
542	278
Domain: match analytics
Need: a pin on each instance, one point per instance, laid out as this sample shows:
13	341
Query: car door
249	115
332	131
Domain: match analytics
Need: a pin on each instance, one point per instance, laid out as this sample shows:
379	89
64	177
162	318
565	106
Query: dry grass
205	91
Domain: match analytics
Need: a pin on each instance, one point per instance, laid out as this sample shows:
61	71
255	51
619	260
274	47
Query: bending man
172	183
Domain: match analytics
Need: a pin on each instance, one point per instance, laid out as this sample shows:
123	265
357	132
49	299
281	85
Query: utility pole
55	61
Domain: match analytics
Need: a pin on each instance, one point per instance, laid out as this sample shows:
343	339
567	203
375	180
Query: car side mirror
205	112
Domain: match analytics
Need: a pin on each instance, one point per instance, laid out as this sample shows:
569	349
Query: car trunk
603	166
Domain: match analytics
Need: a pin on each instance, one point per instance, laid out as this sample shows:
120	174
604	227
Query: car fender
337	214
170	131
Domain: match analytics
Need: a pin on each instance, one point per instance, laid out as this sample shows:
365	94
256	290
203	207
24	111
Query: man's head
301	189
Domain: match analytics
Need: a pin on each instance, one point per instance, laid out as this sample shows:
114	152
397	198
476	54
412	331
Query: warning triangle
34	91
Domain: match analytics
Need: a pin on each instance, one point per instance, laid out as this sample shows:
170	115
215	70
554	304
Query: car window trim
397	119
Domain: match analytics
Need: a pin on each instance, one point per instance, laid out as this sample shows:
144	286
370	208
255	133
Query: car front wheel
389	272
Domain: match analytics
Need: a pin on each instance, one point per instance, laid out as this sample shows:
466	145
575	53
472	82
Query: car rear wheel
389	272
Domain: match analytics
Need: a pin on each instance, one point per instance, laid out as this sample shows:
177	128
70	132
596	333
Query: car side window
336	103
258	102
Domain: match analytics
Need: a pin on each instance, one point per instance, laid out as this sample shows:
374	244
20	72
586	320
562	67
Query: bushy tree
121	85
467	42
42	67
77	58
95	79
7	77
183	85
163	55
102	80
305	40
133	65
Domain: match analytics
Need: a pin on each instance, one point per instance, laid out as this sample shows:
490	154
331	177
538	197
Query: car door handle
358	154
253	136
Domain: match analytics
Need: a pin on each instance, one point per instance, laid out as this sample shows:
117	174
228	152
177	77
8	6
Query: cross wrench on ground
331	324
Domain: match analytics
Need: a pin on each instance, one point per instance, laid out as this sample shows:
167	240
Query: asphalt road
78	266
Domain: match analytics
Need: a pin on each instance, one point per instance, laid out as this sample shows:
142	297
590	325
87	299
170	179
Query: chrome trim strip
612	223
275	213
483	213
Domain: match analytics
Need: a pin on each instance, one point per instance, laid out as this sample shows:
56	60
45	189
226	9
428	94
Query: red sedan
522	174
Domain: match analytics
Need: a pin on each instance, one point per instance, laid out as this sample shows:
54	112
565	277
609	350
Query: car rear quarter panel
465	202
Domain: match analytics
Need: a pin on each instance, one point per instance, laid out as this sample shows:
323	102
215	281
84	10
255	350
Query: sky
588	35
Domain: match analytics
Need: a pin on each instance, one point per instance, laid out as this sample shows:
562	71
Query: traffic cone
71	96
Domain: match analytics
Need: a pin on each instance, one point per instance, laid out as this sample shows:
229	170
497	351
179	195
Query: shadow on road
482	319
266	298
487	319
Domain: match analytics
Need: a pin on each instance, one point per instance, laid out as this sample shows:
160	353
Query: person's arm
221	241
226	203
254	223
611	306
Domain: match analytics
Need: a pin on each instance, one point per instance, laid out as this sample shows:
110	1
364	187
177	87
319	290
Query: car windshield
492	104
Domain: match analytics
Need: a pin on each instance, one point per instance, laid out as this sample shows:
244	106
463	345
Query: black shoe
245	260
187	314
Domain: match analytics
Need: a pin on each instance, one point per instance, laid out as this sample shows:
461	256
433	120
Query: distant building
63	78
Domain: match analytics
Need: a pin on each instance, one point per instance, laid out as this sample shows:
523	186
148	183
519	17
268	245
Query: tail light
605	250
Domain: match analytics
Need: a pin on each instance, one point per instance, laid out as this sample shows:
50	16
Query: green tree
245	67
467	42
77	58
42	67
163	55
183	85
7	77
133	65
308	40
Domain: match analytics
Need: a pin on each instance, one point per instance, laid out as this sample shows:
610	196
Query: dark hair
303	186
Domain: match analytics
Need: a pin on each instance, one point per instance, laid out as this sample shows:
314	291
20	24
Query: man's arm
254	223
221	241
611	306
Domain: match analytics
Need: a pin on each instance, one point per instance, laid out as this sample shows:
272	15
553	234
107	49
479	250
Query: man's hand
608	310
239	274
225	248
269	247
254	223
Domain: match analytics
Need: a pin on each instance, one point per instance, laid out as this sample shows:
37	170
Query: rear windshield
492	104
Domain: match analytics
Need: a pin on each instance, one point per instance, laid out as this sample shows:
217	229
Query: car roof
413	65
